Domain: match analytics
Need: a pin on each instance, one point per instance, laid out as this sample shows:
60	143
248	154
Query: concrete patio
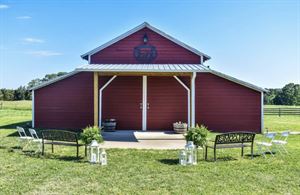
143	140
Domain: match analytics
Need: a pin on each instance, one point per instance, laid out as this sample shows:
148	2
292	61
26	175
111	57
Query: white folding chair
266	144
282	141
23	139
37	142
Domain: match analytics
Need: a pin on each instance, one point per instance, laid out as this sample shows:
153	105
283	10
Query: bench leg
252	151
215	157
43	149
242	154
85	150
52	147
77	151
205	153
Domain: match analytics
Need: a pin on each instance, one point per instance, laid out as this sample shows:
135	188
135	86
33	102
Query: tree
46	78
1	95
270	95
7	94
20	93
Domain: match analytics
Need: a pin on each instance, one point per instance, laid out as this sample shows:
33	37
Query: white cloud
44	53
33	40
23	17
3	6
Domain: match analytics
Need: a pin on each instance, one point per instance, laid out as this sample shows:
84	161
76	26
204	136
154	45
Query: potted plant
180	127
198	135
91	133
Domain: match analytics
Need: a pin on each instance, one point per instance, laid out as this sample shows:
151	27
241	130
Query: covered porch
145	96
143	140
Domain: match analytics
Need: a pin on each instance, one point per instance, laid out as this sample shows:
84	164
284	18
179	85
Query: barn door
167	103
122	100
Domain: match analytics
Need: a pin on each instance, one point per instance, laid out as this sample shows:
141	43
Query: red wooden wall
167	100
225	106
167	51
121	101
65	104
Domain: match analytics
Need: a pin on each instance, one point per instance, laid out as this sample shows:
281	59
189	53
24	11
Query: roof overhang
149	68
143	25
155	68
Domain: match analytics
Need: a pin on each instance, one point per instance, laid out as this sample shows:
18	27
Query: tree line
288	95
22	92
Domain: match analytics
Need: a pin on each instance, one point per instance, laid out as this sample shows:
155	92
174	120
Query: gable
122	52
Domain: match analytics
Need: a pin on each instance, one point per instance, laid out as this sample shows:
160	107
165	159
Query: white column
262	112
189	99
32	107
193	78
144	103
100	98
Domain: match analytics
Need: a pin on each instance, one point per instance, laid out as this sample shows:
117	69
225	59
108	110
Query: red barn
147	80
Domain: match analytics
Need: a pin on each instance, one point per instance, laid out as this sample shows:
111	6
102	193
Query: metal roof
142	68
175	68
141	26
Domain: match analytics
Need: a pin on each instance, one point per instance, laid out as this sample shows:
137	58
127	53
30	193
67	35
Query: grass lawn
132	171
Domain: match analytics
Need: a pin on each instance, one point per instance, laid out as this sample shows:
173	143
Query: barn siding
65	104
167	100
167	51
121	101
225	106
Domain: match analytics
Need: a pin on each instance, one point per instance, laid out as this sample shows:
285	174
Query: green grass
282	123
16	105
280	106
132	171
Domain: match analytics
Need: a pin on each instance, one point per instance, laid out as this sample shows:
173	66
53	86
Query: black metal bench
58	137
232	140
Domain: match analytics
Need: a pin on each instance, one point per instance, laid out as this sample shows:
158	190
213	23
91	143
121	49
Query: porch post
144	114
96	99
193	78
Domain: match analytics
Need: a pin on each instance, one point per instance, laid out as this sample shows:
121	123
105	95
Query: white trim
100	98
89	59
192	68
235	80
189	99
201	60
141	26
32	107
54	80
144	113
262	112
193	99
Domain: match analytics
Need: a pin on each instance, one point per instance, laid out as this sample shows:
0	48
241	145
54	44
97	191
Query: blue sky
256	41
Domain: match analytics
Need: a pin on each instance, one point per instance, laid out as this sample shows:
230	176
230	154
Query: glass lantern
191	153
182	158
103	157
94	152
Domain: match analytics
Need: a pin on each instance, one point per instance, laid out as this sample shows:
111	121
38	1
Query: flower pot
180	128
109	124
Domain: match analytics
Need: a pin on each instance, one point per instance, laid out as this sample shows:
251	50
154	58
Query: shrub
91	133
198	135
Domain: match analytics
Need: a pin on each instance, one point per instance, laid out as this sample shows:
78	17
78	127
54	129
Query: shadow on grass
169	161
39	155
25	124
224	159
